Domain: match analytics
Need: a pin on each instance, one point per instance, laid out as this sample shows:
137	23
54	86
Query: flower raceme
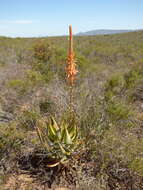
71	66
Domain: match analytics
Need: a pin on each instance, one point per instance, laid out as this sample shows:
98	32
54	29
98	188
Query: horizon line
62	35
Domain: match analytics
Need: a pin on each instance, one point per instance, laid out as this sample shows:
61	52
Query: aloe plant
59	140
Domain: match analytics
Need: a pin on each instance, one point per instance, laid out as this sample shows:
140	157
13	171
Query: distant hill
102	32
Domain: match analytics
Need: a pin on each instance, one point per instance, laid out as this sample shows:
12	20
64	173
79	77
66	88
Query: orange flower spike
71	66
70	41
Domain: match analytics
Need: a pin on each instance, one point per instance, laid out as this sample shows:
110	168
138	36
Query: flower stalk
71	68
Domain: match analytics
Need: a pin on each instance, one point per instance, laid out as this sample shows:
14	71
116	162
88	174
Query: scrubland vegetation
108	107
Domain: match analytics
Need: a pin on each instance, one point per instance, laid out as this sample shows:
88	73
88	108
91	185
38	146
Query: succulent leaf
52	133
65	152
54	124
67	138
73	132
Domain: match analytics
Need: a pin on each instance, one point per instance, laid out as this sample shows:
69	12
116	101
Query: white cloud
18	21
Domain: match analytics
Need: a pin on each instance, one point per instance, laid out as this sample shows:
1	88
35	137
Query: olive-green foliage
42	55
11	138
44	70
132	77
137	92
22	86
2	63
42	51
123	84
114	87
27	119
120	149
137	165
47	107
118	111
18	85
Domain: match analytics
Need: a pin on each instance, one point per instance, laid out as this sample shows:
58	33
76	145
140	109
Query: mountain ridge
103	32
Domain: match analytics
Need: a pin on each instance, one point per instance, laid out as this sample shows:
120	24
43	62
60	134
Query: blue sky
52	17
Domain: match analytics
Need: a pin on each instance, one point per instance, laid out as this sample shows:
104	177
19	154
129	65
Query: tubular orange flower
71	66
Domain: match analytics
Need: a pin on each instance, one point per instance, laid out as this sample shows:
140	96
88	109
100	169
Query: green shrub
44	70
137	165
137	92
47	107
33	78
114	87
22	86
2	63
19	85
11	137
132	77
118	111
28	118
42	54
116	80
124	150
42	51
